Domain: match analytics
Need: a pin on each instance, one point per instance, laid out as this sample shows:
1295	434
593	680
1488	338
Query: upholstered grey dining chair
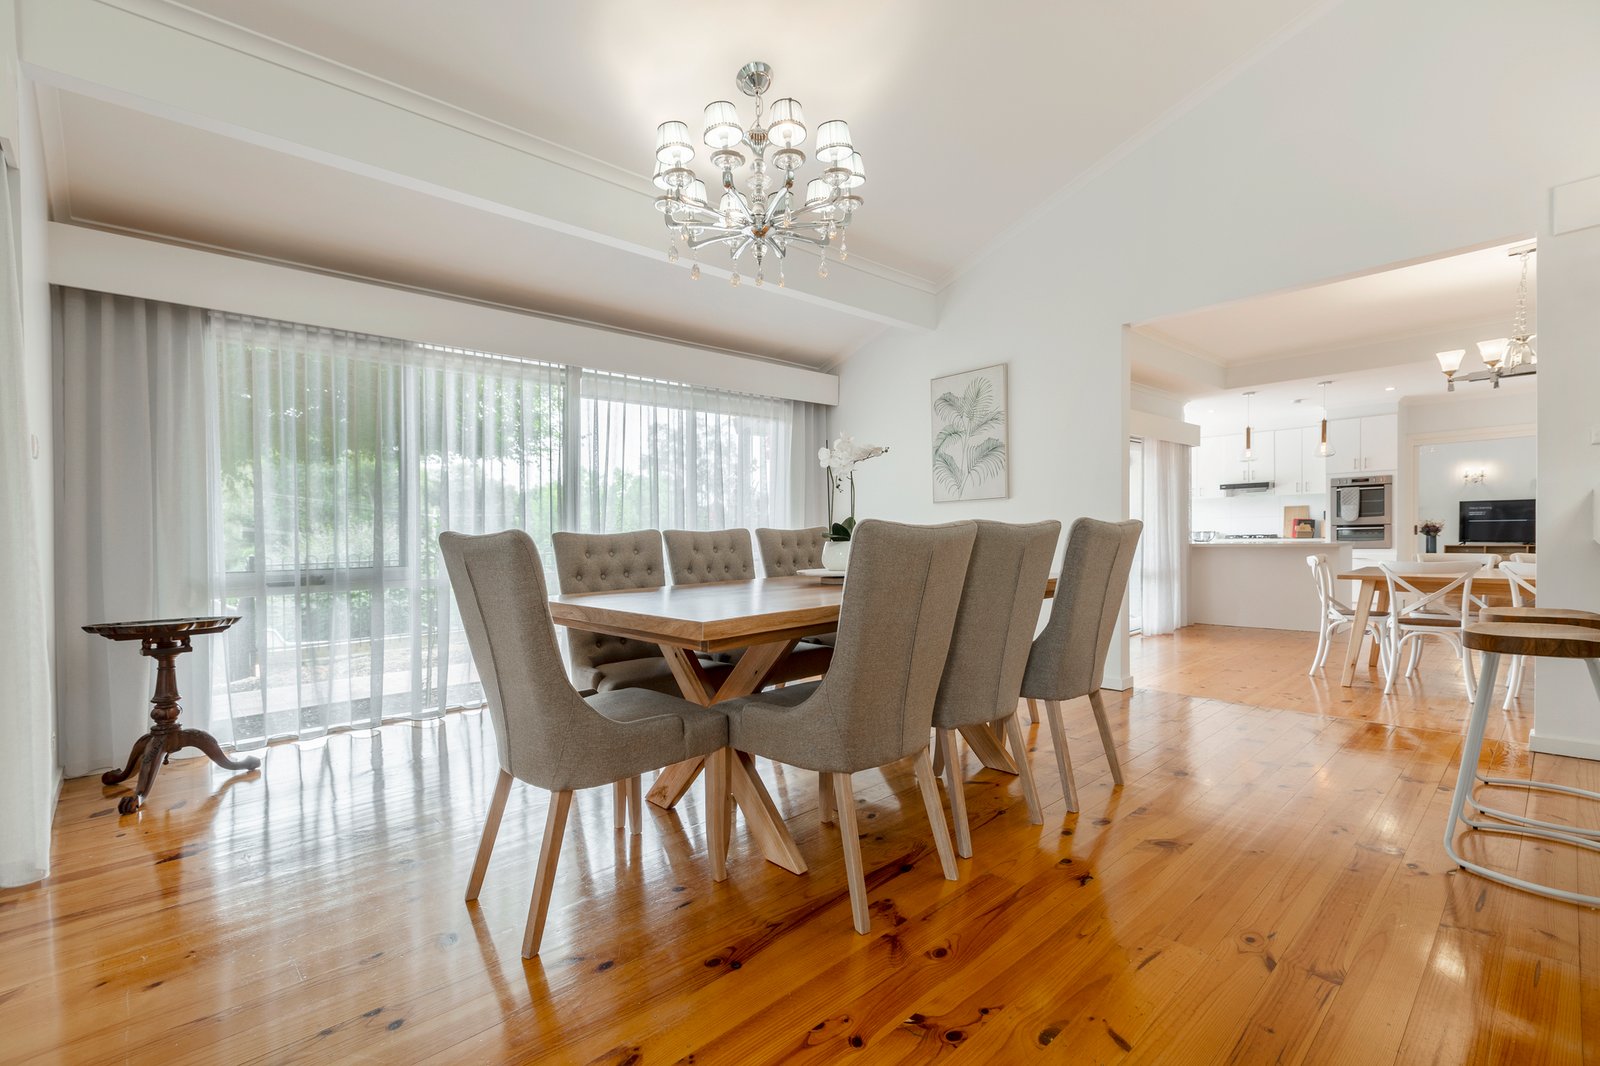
548	735
1069	658
697	556
606	562
982	679
785	552
875	704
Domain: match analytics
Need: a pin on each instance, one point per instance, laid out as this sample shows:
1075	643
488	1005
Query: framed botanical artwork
971	460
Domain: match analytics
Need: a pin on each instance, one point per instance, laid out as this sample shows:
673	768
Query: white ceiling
1011	99
1421	298
123	169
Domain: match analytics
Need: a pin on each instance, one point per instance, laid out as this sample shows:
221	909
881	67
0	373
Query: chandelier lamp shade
775	209
1503	357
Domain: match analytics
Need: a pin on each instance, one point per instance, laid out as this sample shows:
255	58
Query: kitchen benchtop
1274	542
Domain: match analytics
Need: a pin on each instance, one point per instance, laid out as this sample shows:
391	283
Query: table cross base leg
151	751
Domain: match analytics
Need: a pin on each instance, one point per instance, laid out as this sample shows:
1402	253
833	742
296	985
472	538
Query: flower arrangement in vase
839	463
1430	530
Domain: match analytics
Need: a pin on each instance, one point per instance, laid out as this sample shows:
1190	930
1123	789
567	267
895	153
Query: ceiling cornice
208	27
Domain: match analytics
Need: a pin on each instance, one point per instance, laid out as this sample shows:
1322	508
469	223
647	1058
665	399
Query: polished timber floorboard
1269	886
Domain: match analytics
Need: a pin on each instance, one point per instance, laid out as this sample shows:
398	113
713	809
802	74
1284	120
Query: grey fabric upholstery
875	704
695	556
785	552
994	626
605	562
1069	658
547	734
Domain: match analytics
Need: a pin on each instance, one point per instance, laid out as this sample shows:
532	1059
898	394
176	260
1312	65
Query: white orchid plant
840	462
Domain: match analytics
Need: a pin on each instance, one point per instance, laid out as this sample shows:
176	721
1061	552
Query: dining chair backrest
1481	558
1410	597
786	552
1068	659
1322	575
607	562
875	703
538	717
695	557
1525	557
994	626
1523	579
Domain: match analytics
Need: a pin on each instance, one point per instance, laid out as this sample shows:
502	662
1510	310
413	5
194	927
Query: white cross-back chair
1335	615
1416	614
1522	576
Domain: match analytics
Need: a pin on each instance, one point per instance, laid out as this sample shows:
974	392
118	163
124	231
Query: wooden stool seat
1560	616
1534	638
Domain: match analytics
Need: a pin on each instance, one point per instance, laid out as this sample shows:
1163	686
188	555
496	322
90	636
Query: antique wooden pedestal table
164	640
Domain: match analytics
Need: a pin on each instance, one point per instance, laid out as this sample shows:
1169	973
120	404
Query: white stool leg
1471	751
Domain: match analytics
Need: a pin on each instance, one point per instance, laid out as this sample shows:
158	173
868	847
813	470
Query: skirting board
1120	684
1575	747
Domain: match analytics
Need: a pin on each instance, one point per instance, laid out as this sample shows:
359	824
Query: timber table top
714	616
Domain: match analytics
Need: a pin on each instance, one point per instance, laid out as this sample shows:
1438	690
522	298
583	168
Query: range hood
1241	488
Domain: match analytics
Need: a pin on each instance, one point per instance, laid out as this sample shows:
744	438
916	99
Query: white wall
1510	466
1569	459
37	358
1358	143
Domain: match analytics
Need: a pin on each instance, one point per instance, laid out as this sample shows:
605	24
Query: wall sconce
1474	476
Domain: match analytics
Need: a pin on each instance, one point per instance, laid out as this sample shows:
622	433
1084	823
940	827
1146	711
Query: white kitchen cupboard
1297	469
1313	467
1364	445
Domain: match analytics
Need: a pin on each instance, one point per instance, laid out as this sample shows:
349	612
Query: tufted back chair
695	556
607	562
785	552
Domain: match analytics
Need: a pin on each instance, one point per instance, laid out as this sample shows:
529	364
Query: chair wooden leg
1058	740
636	804
718	813
491	826
938	755
850	840
930	800
1033	712
619	804
955	785
1104	723
825	804
1019	749
544	879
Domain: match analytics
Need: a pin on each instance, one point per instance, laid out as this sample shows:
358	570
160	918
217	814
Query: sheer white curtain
1164	547
656	454
341	458
27	784
131	511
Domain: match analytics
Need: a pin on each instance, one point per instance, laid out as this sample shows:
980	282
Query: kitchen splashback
1252	514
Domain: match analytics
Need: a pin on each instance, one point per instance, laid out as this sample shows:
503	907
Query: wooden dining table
766	618
1373	594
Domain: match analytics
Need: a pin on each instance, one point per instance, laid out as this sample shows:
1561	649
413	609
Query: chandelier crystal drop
775	209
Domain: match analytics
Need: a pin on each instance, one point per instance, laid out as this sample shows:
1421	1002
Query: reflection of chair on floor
1534	636
1335	615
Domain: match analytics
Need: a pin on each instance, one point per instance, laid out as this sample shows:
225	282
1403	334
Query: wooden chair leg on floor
544	878
1019	751
938	755
636	805
1033	712
1058	740
1104	723
955	785
825	805
930	800
491	826
850	840
718	812
619	804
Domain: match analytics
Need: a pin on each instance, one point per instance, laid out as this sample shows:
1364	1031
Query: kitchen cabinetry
1364	445
1297	469
1217	462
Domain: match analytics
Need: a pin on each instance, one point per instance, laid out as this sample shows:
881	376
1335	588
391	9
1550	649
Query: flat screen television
1497	522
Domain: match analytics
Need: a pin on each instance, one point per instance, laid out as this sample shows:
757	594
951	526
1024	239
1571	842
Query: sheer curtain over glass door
1164	547
340	458
659	455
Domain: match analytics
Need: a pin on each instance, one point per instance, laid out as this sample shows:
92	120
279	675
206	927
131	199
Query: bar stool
1537	633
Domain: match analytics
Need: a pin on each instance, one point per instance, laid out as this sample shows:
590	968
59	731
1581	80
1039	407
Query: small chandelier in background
762	219
1503	357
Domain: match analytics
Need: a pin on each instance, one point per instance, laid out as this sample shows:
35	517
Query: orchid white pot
835	554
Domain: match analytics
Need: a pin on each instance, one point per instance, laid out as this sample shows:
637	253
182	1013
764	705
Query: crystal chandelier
1504	357
761	219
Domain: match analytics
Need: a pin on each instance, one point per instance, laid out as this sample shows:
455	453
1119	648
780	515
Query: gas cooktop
1251	536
